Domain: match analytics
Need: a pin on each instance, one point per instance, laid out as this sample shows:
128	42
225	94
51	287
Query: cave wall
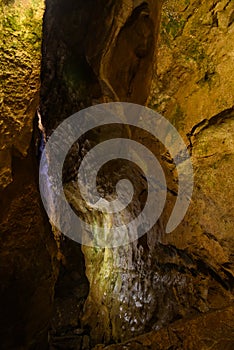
83	49
108	59
193	88
162	277
208	331
27	249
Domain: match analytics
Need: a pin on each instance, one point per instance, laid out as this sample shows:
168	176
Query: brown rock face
160	278
27	259
193	88
27	248
193	81
103	51
210	331
94	54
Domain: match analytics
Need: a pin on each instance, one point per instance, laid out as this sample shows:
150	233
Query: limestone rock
193	88
213	330
193	79
21	27
162	277
27	248
109	59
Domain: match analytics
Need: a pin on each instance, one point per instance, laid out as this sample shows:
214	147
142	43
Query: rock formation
28	250
209	331
165	291
109	59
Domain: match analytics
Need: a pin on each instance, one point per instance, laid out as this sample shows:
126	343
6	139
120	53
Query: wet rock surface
211	331
162	277
176	288
77	73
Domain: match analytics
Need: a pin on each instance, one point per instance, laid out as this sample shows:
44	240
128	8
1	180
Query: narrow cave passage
80	71
163	290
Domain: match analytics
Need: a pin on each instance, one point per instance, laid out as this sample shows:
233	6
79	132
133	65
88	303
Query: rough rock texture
109	59
82	51
193	80
213	330
160	278
27	248
193	88
20	35
102	53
